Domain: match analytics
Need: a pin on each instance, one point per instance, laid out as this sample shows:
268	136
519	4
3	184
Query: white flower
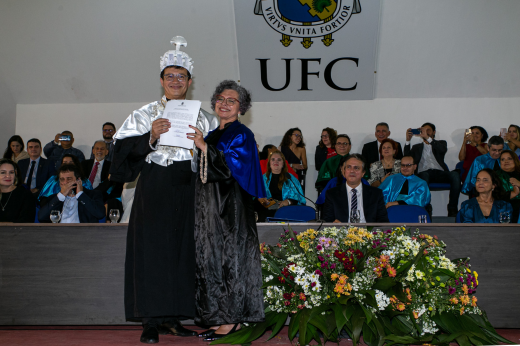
419	274
410	276
382	300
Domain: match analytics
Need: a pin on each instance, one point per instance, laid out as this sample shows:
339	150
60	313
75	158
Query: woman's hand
198	138
297	166
263	201
468	138
514	182
285	203
386	176
159	127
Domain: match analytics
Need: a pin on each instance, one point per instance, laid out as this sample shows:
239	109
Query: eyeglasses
343	143
324	136
354	168
229	101
407	165
297	135
108	130
172	76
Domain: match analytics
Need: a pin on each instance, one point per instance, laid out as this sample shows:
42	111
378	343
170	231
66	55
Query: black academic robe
160	249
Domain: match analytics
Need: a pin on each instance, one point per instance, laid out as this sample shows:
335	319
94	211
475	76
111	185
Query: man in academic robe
406	188
371	149
160	256
489	160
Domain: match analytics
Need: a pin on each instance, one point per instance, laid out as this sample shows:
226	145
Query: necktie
93	173
354	200
31	171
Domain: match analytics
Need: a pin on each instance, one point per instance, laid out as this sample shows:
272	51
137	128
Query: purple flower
295	232
388	231
451	290
313	284
318	272
383	245
321	258
333	266
319	247
387	239
324	264
286	231
374	233
292	239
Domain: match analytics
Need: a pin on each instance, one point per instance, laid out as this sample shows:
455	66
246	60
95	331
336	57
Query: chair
406	214
446	186
294	213
457	219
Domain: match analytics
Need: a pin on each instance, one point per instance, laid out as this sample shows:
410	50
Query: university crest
307	19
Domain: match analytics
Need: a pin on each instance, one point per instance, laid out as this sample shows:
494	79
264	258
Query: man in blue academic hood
406	188
490	160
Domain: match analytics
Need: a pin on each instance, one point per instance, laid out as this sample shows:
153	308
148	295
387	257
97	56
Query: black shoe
176	328
216	336
207	333
163	330
150	334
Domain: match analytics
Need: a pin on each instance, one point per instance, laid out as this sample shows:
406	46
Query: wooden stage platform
73	275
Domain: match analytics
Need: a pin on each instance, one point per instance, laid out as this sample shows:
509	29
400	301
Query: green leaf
319	322
239	337
349	311
445	272
339	315
312	333
278	252
368	313
404	340
463	340
369	336
358	319
330	319
303	323
370	300
384	284
280	322
344	299
293	325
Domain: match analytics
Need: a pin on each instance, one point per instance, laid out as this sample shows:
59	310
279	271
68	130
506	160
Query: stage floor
129	336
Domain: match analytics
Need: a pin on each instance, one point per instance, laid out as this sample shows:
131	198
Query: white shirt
359	193
428	160
97	178
33	181
69	213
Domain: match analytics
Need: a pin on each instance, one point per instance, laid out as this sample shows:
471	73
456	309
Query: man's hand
79	187
263	201
159	127
284	203
409	135
391	204
34	190
423	134
65	189
57	138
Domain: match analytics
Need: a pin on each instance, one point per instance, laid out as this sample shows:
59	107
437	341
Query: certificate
181	113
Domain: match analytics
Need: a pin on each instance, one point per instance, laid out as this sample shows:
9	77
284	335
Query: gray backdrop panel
73	275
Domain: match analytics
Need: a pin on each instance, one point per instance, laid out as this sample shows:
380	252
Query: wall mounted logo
307	19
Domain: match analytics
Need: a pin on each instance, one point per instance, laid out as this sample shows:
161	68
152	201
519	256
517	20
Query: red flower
287	296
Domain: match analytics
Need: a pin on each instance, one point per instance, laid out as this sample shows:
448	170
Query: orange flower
391	271
339	288
349	287
415	314
454	300
462	310
384	259
473	301
400	307
465	289
464	300
334	276
302	296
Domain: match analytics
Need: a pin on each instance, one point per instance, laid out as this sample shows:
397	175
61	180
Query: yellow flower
475	274
467	269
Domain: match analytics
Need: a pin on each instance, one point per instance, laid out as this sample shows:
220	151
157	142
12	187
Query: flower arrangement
392	287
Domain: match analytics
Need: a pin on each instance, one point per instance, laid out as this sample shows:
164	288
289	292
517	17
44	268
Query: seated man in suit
406	188
429	157
54	150
35	171
371	150
76	204
490	160
341	200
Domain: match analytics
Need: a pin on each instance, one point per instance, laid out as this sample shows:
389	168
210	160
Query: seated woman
509	176
325	148
281	188
486	207
330	167
52	186
380	170
473	146
264	154
293	147
15	149
17	204
513	138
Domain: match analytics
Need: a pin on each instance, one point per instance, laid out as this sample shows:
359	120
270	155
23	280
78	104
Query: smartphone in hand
416	132
468	132
65	138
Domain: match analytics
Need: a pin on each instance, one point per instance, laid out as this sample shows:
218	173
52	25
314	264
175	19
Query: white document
181	113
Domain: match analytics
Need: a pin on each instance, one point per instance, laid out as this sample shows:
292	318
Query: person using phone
77	205
429	157
61	145
473	146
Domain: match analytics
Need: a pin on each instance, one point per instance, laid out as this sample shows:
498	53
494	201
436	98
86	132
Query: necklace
3	206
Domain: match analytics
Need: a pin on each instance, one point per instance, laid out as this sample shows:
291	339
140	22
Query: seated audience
371	151
325	149
341	200
380	170
473	146
486	206
15	149
281	188
429	158
406	188
330	166
513	138
489	160
35	170
264	154
17	204
52	186
55	150
293	148
77	205
509	177
109	130
97	171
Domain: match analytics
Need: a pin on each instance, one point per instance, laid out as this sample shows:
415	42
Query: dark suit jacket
105	183
336	204
439	149
371	153
45	170
90	207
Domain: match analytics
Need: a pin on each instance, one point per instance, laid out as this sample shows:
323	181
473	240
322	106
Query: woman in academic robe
509	176
486	207
228	270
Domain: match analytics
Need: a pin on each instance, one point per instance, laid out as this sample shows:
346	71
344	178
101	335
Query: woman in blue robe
52	186
280	186
487	206
228	270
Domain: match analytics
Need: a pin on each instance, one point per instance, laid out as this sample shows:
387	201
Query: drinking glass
423	219
355	216
114	215
505	217
55	216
